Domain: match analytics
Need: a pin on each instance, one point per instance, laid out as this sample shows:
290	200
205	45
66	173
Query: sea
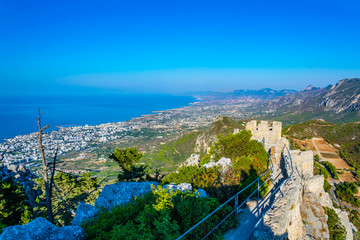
18	115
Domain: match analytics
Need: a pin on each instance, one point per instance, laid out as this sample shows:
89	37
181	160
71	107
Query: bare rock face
83	211
122	192
314	217
283	219
23	176
344	218
182	187
224	163
42	229
193	160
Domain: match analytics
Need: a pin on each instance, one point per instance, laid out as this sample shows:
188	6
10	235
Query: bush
318	169
345	191
336	230
159	214
327	186
249	160
13	206
331	168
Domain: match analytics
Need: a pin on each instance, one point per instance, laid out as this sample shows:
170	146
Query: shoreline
153	113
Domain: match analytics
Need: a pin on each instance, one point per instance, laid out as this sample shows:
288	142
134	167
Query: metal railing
238	207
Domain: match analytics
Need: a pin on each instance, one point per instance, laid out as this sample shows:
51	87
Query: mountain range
338	103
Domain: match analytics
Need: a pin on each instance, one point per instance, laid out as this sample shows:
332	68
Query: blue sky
173	46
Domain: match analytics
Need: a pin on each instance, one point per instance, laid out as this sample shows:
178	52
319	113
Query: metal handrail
237	207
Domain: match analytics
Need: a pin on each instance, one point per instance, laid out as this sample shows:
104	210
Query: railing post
236	204
258	193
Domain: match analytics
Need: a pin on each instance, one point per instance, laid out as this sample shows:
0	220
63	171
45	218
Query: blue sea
18	115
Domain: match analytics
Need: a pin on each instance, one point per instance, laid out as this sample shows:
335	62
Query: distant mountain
338	103
241	95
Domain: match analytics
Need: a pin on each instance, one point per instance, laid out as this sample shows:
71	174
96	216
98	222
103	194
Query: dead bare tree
45	167
48	171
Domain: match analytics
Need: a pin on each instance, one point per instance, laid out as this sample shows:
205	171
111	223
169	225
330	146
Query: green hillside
347	135
173	153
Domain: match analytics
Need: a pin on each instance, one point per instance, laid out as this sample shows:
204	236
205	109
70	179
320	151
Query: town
23	149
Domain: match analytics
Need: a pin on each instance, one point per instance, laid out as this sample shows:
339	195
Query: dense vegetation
160	214
320	170
346	135
68	191
331	168
171	154
249	161
127	160
345	192
336	230
14	208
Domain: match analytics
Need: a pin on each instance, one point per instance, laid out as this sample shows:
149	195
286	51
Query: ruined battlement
265	130
304	162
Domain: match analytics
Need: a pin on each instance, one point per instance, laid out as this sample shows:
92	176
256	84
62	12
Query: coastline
113	109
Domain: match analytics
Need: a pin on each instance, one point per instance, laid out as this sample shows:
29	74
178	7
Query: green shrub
14	208
159	214
327	186
336	230
345	191
331	168
318	169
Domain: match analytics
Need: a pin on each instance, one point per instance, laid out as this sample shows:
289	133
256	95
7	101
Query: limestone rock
193	160
40	228
122	192
182	187
315	185
224	163
344	218
314	217
201	193
284	217
83	211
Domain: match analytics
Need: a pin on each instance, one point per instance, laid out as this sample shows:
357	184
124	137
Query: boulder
42	229
122	192
201	193
224	163
83	211
182	187
193	160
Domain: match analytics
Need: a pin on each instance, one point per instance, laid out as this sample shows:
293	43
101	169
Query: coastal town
23	149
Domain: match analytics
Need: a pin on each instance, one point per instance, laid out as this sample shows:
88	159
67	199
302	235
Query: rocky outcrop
42	229
224	163
122	192
284	217
23	176
344	218
193	160
84	211
184	187
314	217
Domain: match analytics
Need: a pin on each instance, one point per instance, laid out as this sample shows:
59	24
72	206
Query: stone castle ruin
298	214
269	134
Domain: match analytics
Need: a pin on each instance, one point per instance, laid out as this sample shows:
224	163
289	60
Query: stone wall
303	162
269	134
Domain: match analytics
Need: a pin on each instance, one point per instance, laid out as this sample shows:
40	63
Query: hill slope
338	103
242	95
173	153
345	136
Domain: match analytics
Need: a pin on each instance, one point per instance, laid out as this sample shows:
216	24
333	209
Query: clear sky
175	46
